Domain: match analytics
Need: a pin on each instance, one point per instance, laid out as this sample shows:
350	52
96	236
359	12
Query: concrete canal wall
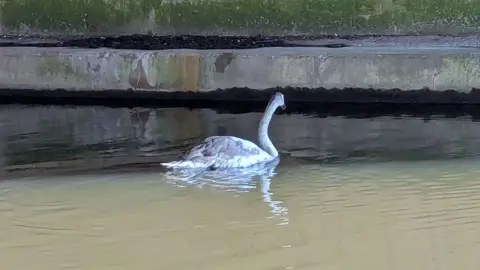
413	68
240	17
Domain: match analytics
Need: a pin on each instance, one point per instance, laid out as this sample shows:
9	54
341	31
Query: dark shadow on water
242	100
54	139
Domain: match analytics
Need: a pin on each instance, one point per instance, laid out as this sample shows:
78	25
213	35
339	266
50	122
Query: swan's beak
283	107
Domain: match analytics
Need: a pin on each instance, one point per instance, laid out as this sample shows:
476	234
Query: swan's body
217	152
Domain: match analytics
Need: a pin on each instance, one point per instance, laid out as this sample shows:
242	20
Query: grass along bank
269	17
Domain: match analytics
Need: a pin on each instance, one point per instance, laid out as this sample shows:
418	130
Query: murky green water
81	190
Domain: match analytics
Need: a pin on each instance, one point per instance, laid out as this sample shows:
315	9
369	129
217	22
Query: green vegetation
246	16
52	66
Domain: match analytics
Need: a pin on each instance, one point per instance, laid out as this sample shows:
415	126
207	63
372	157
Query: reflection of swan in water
232	152
234	179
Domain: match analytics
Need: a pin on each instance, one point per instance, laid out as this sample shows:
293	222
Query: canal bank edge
437	69
239	17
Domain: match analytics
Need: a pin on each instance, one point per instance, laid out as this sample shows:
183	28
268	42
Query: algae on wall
54	66
241	16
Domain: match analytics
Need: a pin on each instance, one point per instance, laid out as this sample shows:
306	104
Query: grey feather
223	147
230	151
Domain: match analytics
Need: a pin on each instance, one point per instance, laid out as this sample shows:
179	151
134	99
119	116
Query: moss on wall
244	16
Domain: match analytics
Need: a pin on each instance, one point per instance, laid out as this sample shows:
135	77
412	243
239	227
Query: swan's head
278	100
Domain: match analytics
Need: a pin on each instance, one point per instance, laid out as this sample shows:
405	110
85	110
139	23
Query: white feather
232	152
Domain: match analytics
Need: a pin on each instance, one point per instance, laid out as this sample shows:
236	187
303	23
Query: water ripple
234	180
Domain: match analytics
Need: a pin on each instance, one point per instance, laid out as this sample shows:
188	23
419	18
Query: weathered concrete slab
436	68
239	17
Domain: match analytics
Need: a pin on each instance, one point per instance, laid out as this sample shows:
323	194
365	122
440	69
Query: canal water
80	188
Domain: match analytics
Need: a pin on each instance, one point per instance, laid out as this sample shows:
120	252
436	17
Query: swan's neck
263	138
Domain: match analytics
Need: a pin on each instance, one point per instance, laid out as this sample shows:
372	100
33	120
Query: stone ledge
435	68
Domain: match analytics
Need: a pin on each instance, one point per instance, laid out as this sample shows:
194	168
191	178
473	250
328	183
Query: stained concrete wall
66	17
437	68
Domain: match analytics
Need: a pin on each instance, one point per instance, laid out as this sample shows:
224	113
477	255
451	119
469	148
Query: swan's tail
181	164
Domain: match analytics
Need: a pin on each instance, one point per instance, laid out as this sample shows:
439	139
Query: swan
222	152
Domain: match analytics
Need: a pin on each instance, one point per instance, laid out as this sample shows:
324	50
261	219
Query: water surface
81	190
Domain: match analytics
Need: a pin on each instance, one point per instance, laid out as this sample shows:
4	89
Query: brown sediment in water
394	216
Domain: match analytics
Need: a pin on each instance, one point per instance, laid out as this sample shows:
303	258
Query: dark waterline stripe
150	42
320	102
231	42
